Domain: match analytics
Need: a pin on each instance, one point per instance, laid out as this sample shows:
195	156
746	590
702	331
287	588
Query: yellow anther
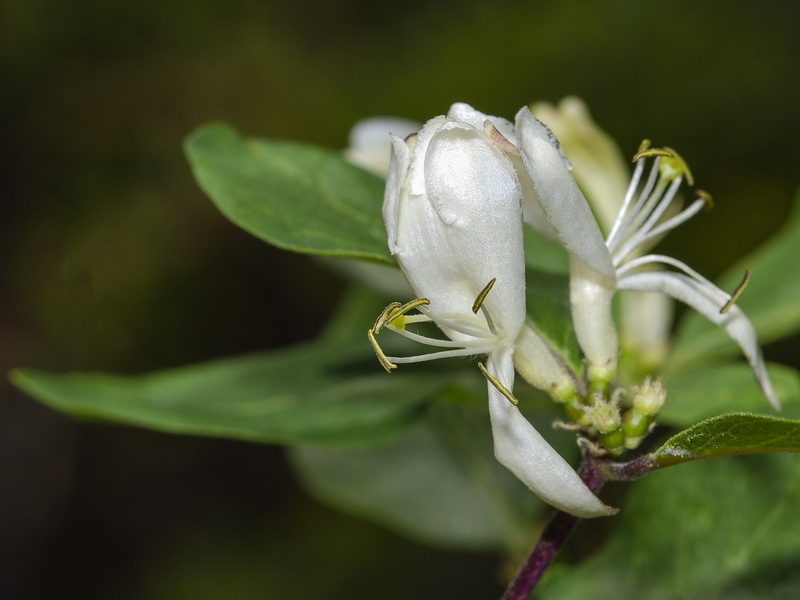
705	196
385	316
392	314
476	306
672	164
647	151
736	293
382	358
496	383
643	147
675	162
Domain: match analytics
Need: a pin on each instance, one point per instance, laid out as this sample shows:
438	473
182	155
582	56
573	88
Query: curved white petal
708	299
562	202
370	143
522	450
598	163
398	167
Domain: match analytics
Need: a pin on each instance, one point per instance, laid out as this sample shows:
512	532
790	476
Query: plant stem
553	537
594	473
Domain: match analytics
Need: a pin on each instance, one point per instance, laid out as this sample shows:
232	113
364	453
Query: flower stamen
673	164
496	383
736	293
382	358
393	314
476	306
641	222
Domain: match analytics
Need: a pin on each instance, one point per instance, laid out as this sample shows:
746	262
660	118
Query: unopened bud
604	415
650	397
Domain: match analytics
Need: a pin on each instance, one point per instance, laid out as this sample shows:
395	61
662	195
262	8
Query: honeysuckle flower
602	173
641	221
453	214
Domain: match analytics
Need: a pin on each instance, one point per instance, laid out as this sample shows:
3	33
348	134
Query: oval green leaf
284	397
709	530
294	196
730	434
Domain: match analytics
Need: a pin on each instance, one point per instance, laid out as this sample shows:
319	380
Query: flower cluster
458	195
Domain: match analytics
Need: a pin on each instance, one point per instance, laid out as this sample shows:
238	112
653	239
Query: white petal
564	206
465	229
464	113
370	143
707	299
598	164
416	175
522	450
398	167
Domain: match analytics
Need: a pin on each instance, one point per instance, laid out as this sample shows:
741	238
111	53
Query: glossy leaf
542	254
730	434
316	392
702	393
698	532
294	196
547	303
770	300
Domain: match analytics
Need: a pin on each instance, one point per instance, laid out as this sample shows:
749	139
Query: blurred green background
113	259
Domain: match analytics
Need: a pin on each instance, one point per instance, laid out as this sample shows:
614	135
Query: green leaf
770	300
297	197
730	434
548	307
542	254
439	484
694	533
313	392
702	393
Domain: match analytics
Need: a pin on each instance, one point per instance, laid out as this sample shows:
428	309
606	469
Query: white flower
369	146
599	267
453	216
603	175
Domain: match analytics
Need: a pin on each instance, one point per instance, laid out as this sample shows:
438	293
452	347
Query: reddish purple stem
553	537
594	473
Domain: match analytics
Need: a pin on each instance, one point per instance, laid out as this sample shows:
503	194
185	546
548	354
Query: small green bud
604	415
576	413
614	442
650	397
635	426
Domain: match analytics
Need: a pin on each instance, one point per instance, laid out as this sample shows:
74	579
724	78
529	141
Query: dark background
113	260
